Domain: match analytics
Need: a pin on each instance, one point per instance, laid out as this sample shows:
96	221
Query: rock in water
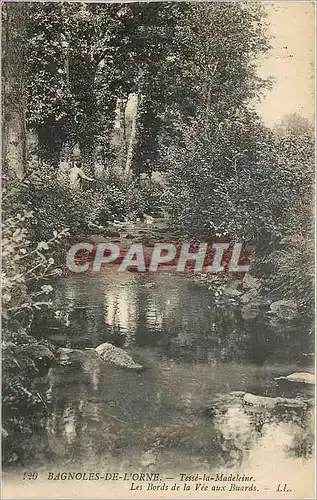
117	356
269	403
262	401
301	377
284	309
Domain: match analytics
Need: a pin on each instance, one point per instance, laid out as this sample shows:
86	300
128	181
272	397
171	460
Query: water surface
178	413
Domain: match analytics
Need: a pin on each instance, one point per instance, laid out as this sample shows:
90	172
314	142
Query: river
178	414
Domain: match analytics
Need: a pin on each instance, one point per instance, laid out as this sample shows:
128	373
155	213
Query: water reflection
99	414
170	312
181	407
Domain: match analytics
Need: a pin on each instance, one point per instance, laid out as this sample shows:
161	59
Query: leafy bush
55	206
26	266
23	405
31	250
221	182
242	181
121	196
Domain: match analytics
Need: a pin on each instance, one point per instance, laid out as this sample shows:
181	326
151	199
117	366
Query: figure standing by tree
76	176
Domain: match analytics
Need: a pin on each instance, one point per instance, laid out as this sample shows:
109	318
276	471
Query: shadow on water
168	312
179	412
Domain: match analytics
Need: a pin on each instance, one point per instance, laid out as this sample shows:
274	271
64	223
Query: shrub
121	196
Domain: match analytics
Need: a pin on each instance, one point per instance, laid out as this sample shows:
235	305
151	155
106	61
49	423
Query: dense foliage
71	71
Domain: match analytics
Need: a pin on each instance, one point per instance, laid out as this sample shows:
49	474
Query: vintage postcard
158	249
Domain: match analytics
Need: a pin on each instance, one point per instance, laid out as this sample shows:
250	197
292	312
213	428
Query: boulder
301	377
291	403
284	309
270	403
261	401
117	356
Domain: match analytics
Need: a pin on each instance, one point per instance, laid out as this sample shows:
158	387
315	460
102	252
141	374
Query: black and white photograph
158	249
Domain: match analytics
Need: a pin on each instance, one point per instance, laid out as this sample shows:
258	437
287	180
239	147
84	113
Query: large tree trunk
14	146
134	117
132	136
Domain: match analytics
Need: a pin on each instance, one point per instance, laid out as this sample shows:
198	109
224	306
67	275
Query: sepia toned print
158	167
